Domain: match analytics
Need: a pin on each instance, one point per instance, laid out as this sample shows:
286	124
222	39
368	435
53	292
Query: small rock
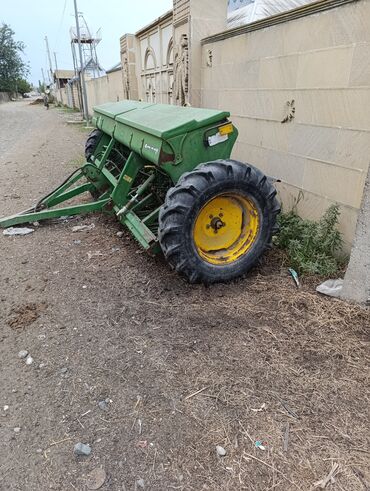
16	429
6	408
103	405
79	228
96	478
29	360
77	242
36	224
39	450
23	353
82	449
140	483
84	287
120	234
64	370
42	365
220	451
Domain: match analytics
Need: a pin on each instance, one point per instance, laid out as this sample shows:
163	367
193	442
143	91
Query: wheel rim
226	228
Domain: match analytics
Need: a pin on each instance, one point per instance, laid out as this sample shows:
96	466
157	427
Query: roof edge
165	16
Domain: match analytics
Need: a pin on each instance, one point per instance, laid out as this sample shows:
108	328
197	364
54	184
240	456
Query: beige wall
322	63
115	86
128	63
154	61
99	90
104	89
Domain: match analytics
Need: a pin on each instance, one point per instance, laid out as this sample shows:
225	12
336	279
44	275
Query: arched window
149	60
170	53
150	89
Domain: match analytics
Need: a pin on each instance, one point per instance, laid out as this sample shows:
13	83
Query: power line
60	24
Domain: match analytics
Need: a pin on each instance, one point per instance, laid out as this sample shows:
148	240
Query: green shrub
313	247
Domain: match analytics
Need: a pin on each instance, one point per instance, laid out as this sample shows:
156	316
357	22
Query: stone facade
128	64
298	92
155	61
167	53
356	285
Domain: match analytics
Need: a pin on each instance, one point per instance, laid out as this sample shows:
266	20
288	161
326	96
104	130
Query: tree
12	67
23	86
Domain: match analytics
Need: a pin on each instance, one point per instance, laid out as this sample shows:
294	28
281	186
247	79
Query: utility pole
43	77
82	68
50	65
56	74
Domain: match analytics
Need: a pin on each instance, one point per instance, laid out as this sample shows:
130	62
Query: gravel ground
276	376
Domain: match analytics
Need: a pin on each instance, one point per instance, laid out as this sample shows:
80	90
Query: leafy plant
313	247
22	86
12	66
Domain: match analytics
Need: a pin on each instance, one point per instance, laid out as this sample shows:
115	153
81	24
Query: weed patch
313	247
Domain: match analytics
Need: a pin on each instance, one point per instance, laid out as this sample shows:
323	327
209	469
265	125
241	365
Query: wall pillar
356	285
128	62
193	20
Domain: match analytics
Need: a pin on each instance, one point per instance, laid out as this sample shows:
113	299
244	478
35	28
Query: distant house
61	77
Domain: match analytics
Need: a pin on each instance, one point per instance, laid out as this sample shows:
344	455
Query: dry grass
256	360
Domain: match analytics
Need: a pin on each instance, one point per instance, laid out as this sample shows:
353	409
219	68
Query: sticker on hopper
149	147
217	138
127	178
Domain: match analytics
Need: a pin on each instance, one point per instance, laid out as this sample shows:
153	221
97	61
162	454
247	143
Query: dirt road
178	369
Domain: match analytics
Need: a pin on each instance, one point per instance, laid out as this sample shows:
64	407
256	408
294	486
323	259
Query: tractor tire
90	146
217	221
91	143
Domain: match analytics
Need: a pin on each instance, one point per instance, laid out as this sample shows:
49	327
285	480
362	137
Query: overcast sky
33	20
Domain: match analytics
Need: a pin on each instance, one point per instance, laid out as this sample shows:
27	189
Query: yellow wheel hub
226	228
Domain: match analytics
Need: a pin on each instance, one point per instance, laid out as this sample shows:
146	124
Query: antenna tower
89	42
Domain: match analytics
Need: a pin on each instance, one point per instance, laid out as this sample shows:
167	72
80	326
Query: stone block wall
299	93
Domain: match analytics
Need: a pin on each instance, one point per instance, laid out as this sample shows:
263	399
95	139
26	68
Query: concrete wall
356	285
5	97
104	89
99	90
61	96
313	72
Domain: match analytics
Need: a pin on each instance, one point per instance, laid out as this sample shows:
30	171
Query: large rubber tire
90	146
184	202
91	143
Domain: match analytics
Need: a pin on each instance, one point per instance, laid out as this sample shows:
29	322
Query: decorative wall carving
125	75
181	72
290	111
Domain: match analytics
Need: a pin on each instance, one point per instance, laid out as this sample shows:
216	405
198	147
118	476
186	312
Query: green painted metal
36	216
143	151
